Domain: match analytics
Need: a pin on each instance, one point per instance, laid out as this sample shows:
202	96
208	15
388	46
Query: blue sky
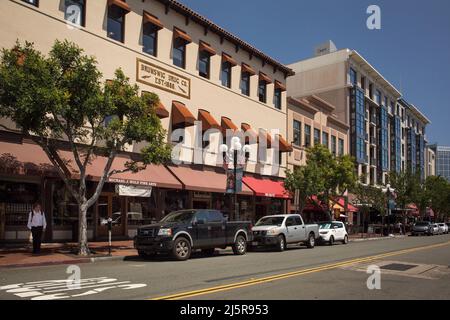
412	50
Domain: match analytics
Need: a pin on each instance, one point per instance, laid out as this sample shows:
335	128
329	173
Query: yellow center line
252	282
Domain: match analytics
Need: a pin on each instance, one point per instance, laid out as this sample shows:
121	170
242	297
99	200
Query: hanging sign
133	191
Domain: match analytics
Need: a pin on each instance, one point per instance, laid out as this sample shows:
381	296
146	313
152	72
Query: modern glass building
442	161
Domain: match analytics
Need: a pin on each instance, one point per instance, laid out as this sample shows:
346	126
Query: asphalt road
411	268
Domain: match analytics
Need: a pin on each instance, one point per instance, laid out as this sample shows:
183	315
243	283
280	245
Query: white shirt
36	220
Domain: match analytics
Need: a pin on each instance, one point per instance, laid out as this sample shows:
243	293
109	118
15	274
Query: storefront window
175	200
17	199
142	210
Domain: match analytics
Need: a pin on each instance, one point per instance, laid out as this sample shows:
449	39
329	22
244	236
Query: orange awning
207	120
229	59
149	18
206	48
227	124
161	111
204	180
283	145
177	33
279	85
249	133
30	159
264	77
181	116
246	68
121	4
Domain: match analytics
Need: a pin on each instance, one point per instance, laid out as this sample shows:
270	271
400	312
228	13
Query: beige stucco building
204	76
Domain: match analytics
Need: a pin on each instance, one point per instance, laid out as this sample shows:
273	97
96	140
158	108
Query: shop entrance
110	205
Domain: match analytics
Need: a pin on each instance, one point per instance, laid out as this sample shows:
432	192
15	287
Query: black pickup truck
180	232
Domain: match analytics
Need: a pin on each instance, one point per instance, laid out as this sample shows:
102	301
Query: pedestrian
37	224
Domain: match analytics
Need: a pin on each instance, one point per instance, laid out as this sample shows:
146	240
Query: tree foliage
60	97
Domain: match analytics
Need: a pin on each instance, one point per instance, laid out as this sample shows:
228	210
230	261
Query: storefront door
110	205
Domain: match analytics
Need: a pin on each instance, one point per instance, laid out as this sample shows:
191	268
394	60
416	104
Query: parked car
443	228
421	228
330	232
280	230
434	229
180	232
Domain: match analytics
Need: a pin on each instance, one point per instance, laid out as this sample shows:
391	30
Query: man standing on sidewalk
37	225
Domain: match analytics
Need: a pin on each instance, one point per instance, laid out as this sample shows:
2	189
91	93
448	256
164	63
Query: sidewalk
63	253
366	237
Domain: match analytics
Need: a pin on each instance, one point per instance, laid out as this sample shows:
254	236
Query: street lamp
388	191
238	155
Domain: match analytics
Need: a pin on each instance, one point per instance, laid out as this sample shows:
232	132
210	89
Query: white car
443	228
434	229
330	232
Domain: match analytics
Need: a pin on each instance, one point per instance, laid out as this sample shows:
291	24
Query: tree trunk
83	249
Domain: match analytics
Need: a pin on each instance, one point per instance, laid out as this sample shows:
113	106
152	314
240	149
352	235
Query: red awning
267	188
30	159
204	180
350	207
413	210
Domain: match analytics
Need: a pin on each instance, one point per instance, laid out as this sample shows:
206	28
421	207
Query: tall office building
442	161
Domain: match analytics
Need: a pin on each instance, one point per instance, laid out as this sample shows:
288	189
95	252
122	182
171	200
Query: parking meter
108	222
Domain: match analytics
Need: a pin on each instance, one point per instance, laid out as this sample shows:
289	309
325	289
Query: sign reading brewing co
152	75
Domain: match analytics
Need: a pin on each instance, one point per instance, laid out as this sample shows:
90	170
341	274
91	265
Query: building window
116	23
33	2
316	137
262	91
325	139
150	39
245	83
333	145
204	64
277	98
75	12
179	52
363	83
297	133
378	97
371	91
353	79
225	74
307	136
341	147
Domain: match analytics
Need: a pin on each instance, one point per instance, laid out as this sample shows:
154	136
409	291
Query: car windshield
422	224
270	221
325	226
179	216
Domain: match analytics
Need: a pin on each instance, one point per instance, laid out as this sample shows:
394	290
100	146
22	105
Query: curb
64	262
377	238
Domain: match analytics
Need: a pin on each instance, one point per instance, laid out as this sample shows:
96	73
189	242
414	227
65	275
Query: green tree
61	97
323	175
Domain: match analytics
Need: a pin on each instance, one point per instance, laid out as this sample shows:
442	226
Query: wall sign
155	76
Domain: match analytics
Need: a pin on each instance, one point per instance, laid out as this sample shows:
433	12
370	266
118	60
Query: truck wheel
208	252
311	241
240	245
281	246
346	240
181	249
331	241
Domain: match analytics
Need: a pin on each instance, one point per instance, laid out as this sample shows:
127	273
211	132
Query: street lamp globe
223	148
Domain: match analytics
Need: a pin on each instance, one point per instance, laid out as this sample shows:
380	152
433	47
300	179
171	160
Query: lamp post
388	191
238	155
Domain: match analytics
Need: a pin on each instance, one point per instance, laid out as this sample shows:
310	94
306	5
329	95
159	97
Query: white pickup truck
280	230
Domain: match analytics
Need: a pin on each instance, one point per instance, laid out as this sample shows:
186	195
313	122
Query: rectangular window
353	77
307	136
33	2
116	23
325	139
371	91
341	147
204	64
297	133
245	83
225	74
277	98
150	39
179	52
75	12
378	97
333	145
363	83
316	136
262	91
